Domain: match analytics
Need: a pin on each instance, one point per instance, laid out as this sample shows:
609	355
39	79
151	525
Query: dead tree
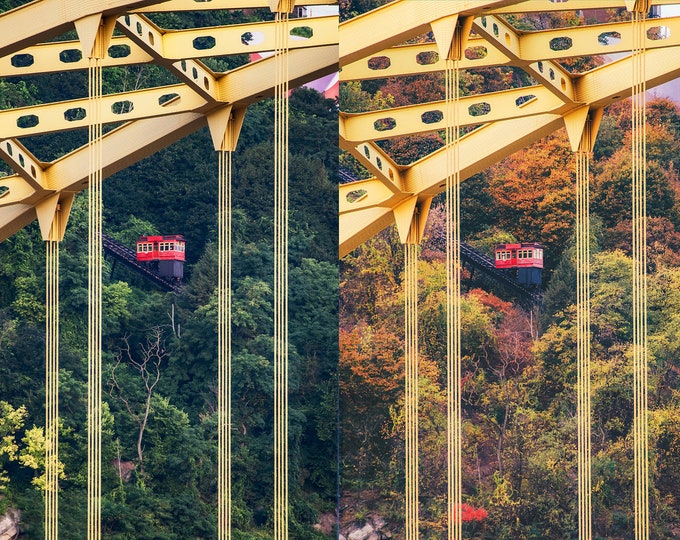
152	354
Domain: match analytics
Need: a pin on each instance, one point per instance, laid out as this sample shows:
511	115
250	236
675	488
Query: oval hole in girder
127	20
563	84
22	162
479	109
22	60
4	190
119	51
508	40
476	53
33	173
203	43
302	31
552	74
74	114
608	38
656	33
559	1
367	152
561	43
70	55
166	99
427	58
521	101
27	121
9	149
379	62
183	65
378	162
356	195
540	66
495	29
431	117
252	38
206	83
484	22
194	73
390	173
139	28
384	124
150	38
202	1
122	107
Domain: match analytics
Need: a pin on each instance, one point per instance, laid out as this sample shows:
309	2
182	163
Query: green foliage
560	292
26	306
133	228
486	241
613	192
16	94
355	99
352	8
116	300
11	420
175	191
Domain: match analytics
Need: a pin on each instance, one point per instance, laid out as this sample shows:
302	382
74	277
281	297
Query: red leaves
470	513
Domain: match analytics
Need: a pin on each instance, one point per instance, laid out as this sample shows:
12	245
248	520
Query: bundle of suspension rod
411	386
453	303
94	346
224	347
52	388
639	225
583	413
281	279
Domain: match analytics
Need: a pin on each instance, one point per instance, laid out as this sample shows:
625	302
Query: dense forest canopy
519	365
160	476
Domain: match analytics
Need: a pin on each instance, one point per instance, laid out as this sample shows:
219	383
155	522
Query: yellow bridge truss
152	118
373	46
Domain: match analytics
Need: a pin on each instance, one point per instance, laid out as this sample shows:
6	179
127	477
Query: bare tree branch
149	367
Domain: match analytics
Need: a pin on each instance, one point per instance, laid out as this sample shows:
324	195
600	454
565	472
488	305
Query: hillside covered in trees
519	367
160	349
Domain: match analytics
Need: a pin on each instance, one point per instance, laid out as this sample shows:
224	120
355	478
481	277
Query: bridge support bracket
225	126
411	217
53	213
582	125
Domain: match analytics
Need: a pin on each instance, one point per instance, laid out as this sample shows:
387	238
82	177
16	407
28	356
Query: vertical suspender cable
224	346
583	413
453	289
411	385
281	280
639	226
94	355
52	388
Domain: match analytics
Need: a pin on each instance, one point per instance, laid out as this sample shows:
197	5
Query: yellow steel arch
376	45
155	117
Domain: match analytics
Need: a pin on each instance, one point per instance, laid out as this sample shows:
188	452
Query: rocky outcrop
124	469
326	524
9	525
374	528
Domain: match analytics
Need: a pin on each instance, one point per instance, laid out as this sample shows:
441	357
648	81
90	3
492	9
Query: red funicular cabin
165	252
526	260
